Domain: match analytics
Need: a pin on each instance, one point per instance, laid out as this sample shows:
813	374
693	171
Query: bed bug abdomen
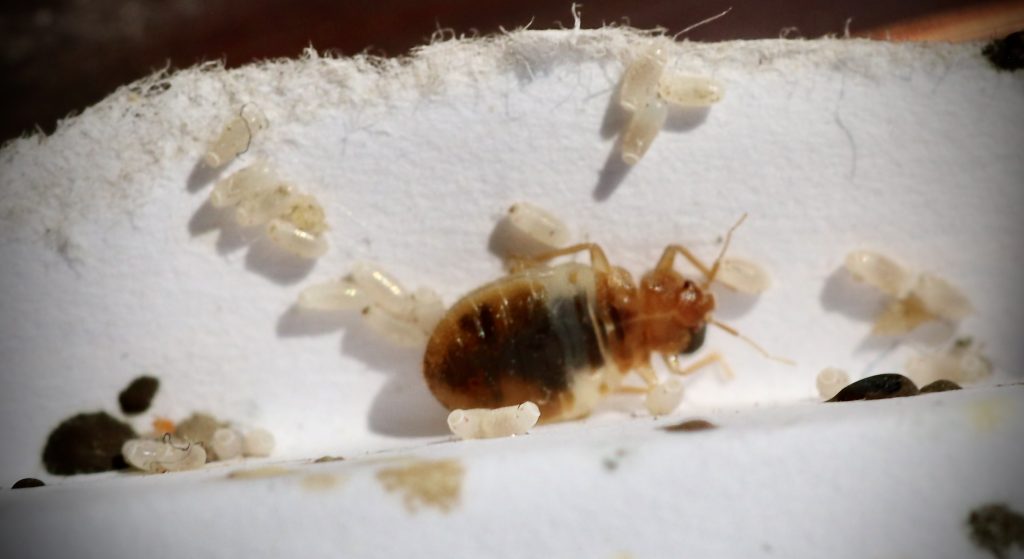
528	337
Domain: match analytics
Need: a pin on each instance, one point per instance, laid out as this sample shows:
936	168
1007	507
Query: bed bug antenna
753	344
725	246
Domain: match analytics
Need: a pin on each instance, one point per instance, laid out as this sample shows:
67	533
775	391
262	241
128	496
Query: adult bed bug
564	336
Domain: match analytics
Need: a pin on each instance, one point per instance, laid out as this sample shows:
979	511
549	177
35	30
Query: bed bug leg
598	260
672	361
668	257
647	373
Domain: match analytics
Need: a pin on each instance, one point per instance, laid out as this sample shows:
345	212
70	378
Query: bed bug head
675	312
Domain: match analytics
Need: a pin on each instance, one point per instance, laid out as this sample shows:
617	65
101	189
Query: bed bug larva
647	90
164	455
486	423
915	300
640	80
235	137
743	275
404	317
295	221
689	91
564	336
538	225
643	127
830	381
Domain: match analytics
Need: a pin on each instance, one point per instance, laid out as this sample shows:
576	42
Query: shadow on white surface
731	305
231	236
201	175
273	263
843	294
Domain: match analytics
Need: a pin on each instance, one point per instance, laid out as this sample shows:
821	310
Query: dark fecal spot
996	528
323	459
1006	53
690	425
940	386
85	444
26	483
877	387
136	398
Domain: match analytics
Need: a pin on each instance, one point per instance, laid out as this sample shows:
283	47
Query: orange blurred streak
163	426
989	21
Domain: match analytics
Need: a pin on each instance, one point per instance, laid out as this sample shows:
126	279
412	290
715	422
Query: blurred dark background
60	56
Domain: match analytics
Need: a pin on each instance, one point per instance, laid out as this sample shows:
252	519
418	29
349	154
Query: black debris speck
27	482
995	528
690	425
85	444
940	386
138	395
1006	53
877	387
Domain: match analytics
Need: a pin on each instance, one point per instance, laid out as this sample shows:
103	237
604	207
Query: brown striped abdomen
526	337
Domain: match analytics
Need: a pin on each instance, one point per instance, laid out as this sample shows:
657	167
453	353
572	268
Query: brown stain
260	473
995	528
320	482
690	425
430	483
324	459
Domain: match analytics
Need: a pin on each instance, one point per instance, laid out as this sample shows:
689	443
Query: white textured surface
112	265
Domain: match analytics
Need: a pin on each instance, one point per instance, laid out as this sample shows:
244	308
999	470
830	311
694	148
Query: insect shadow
263	258
201	175
404	406
844	295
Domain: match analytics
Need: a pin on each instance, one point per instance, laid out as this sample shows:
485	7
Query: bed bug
564	336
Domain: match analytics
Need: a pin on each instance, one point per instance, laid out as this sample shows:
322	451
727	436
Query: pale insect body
226	444
830	381
506	421
258	443
342	294
690	91
646	91
964	362
640	80
295	221
402	317
242	184
879	271
643	128
539	225
743	275
665	397
941	298
295	240
236	136
916	300
163	456
264	205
